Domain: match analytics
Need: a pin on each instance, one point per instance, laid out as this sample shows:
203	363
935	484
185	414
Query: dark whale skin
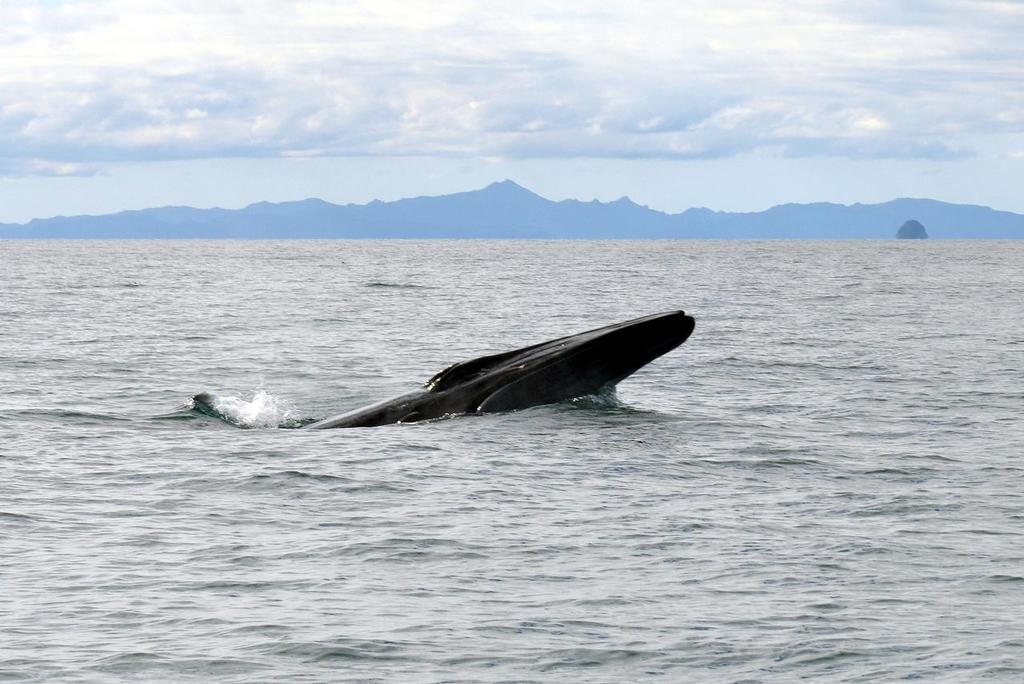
544	373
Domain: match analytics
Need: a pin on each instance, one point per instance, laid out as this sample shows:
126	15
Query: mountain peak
507	186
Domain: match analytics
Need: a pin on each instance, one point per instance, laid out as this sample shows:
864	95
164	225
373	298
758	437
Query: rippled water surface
825	482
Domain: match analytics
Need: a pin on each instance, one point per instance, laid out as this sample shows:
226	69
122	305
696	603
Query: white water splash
262	411
604	398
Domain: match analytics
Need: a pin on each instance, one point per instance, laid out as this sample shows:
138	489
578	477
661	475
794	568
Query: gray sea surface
826	482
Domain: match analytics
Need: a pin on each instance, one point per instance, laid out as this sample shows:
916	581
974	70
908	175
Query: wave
398	286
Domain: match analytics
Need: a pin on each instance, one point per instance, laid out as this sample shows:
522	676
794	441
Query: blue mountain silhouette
508	210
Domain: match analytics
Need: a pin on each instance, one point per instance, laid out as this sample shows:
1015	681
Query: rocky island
911	230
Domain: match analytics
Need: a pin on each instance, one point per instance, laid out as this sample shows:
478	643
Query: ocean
826	482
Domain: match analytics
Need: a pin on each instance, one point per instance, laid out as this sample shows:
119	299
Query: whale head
544	373
564	368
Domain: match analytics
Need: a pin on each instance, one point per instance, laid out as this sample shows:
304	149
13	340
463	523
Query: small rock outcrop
912	230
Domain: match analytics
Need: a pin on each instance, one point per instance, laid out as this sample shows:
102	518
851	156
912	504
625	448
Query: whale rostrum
545	373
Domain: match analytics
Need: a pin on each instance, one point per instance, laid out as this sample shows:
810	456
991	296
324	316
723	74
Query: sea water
825	482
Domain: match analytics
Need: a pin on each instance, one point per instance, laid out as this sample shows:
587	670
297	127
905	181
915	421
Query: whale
565	368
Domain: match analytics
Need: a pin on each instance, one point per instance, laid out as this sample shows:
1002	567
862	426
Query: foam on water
605	398
263	410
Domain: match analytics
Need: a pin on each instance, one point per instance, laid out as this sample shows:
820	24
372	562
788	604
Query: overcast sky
731	104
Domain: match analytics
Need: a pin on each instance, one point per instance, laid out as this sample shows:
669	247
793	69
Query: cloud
85	82
41	167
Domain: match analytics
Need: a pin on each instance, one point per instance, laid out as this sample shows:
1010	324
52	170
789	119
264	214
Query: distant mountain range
508	210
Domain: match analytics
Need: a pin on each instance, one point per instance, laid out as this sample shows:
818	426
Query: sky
729	104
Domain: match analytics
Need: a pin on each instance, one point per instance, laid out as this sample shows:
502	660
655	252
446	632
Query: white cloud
89	81
37	167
